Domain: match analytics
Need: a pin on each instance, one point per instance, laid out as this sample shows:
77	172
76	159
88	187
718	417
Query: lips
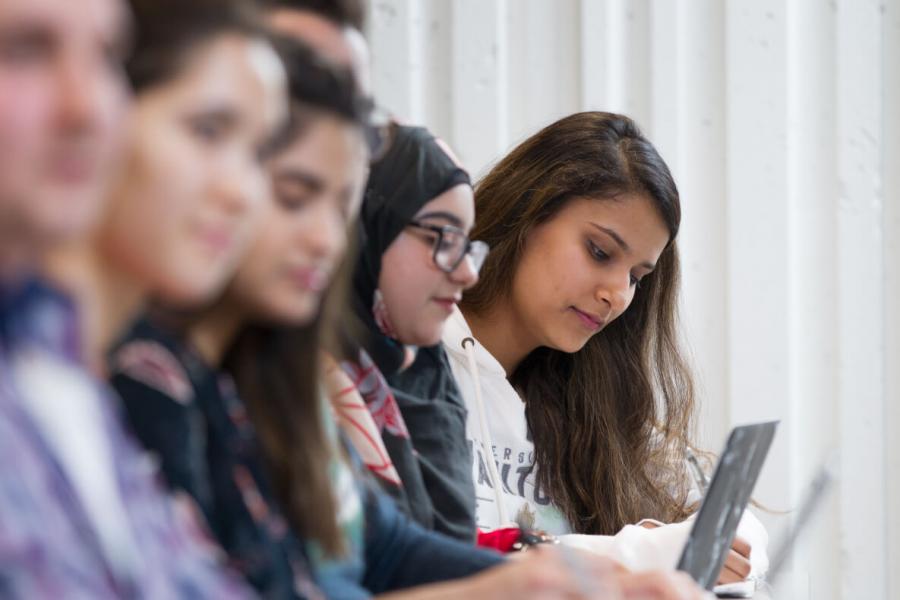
589	321
310	278
72	169
447	303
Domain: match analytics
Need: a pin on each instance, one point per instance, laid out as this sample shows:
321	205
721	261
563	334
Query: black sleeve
400	554
173	431
435	414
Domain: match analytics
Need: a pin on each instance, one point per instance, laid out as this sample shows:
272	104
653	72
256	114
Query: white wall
781	122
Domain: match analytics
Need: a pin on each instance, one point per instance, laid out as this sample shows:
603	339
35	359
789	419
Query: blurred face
317	189
579	270
62	98
186	201
419	296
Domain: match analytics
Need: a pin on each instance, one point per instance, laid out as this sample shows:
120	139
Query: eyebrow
315	184
440	214
622	243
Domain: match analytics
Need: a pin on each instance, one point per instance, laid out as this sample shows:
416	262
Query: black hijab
415	170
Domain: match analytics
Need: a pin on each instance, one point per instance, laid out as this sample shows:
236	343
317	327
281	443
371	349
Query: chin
569	346
61	221
299	315
426	338
190	292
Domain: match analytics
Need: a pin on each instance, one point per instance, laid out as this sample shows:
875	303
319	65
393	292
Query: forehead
323	142
232	71
457	201
105	18
633	216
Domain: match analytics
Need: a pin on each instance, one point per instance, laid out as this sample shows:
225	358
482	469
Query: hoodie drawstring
487	442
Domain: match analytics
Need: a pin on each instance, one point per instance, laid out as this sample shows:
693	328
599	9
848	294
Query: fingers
660	585
736	568
741	546
546	572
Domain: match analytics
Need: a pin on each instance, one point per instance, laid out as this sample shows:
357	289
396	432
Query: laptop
723	504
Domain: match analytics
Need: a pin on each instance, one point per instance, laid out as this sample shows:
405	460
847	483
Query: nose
240	184
465	273
323	231
615	292
81	95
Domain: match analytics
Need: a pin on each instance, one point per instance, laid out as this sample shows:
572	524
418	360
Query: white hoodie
497	421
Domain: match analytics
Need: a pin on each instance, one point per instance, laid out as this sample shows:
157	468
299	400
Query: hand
737	564
660	585
549	573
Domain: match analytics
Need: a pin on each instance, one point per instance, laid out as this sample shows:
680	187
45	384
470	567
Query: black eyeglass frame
441	230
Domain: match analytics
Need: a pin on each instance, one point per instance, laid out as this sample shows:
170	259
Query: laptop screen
723	505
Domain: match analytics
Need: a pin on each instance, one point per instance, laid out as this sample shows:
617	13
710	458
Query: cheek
163	191
406	284
264	284
24	129
164	175
25	111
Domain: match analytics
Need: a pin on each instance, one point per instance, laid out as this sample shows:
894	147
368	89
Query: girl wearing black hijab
415	262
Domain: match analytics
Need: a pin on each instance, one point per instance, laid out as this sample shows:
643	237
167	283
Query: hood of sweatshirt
496	427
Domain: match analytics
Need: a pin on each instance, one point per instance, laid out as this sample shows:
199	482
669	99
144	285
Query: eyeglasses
452	245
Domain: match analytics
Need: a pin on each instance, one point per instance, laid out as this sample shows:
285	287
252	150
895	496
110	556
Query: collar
31	311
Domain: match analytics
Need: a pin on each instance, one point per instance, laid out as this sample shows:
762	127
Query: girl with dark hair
580	402
191	415
416	259
208	95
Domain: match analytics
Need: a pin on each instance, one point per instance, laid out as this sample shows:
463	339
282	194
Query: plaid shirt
48	546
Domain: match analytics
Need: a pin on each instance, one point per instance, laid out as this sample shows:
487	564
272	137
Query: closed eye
596	253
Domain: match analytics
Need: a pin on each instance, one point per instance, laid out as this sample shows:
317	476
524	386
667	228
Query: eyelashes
601	257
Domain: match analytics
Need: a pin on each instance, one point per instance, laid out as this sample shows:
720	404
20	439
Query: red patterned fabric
376	392
357	423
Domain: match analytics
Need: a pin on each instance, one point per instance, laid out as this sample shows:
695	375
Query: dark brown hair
167	31
277	368
609	422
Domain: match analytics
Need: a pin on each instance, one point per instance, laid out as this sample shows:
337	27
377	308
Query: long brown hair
276	367
611	421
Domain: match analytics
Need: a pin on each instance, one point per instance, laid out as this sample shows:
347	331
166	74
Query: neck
107	298
14	261
501	334
214	332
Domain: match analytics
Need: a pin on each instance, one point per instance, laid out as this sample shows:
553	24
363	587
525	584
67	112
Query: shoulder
153	362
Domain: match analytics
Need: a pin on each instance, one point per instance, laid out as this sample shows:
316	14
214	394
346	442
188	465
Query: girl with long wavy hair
580	400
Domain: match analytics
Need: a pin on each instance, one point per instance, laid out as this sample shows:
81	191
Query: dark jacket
191	417
435	414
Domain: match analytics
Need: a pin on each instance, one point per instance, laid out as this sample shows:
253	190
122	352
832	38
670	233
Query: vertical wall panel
860	296
757	227
891	170
396	47
812	201
699	162
593	59
480	94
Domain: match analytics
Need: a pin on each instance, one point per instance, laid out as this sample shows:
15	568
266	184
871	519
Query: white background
781	122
